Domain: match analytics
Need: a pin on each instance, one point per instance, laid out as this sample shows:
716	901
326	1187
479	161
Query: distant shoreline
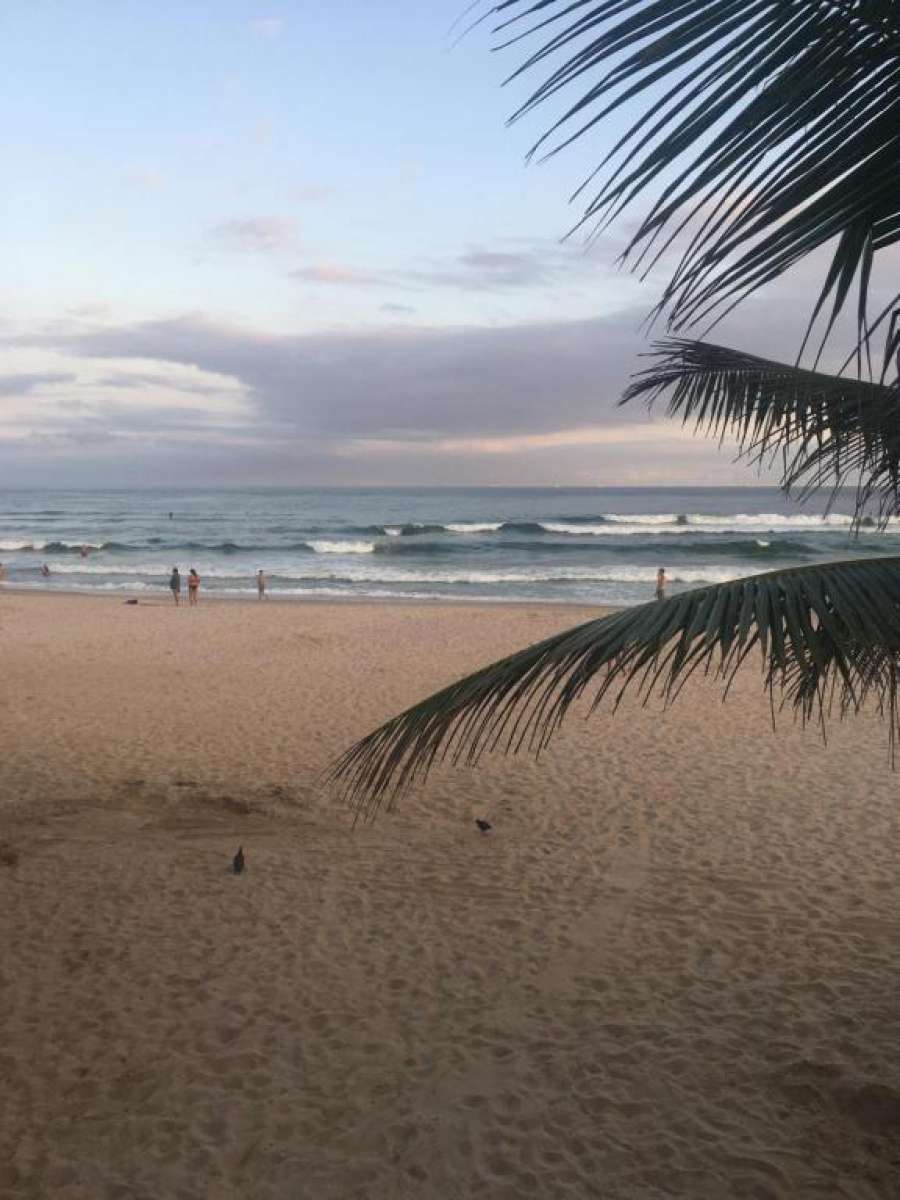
164	600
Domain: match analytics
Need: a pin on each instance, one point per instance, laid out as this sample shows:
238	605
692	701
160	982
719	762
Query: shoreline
165	601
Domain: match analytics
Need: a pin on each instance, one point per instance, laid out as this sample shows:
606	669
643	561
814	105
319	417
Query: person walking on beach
661	583
261	584
175	585
193	587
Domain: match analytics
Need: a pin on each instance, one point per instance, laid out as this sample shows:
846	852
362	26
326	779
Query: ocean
577	545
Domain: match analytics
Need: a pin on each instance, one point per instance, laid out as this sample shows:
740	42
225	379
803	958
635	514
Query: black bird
238	861
484	826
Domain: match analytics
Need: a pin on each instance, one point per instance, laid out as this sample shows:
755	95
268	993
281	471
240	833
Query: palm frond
831	431
826	635
769	128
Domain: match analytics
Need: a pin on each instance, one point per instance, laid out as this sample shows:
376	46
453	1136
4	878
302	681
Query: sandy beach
670	970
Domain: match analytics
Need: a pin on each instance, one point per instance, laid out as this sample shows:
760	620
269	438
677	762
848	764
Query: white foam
347	592
86	567
611	530
385	573
771	521
634	525
351	592
302	569
619	530
602	574
641	518
111	586
22	545
321	547
474	526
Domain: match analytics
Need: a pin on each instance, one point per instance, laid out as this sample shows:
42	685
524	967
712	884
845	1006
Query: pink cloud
337	274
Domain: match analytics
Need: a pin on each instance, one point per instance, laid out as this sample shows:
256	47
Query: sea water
578	545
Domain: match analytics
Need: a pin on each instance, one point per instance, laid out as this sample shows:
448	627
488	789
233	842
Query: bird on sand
238	861
484	826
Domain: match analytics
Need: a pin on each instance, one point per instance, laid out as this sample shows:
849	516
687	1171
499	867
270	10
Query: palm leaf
769	128
831	431
826	635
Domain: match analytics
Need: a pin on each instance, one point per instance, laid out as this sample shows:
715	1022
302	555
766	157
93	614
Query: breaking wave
715	573
510	544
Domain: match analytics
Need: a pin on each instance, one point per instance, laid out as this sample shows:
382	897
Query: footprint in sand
623	873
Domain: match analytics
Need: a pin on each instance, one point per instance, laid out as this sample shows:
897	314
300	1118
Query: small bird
238	861
484	826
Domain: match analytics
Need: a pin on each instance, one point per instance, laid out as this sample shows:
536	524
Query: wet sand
671	969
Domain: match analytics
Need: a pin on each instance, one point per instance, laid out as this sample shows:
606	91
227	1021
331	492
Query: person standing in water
193	587
261	584
661	583
45	570
175	585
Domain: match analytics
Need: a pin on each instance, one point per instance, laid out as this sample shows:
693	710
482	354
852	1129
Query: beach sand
671	969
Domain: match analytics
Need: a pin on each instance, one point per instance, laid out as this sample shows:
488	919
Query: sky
297	244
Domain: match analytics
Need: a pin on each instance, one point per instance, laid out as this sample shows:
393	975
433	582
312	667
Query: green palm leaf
831	431
826	635
769	128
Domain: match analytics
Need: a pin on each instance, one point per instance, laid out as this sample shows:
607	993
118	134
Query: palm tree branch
784	117
826	634
830	431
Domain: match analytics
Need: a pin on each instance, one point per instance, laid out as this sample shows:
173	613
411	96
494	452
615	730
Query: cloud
522	264
113	397
130	381
89	311
537	264
620	436
256	235
22	385
338	275
400	382
397	309
485	270
403	404
410	380
267	27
